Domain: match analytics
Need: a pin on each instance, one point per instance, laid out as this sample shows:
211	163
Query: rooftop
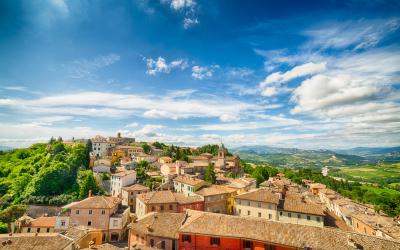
124	173
29	241
260	195
209	191
192	181
279	233
43	222
299	205
167	196
96	202
135	187
164	225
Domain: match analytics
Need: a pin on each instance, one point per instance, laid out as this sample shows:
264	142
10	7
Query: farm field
385	173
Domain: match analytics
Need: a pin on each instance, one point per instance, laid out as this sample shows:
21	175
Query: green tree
88	150
146	148
12	213
141	175
209	175
86	182
261	174
113	168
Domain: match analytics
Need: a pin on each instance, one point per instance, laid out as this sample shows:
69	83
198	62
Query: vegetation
45	173
146	148
209	175
384	199
382	173
212	149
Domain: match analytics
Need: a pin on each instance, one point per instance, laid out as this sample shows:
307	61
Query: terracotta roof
167	196
317	185
43	222
183	199
192	181
124	173
260	195
275	232
296	204
105	246
95	202
225	188
157	197
135	187
209	191
165	225
29	241
77	232
379	222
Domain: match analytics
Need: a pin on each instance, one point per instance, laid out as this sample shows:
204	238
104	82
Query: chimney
90	193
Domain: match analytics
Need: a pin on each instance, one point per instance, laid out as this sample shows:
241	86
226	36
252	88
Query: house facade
120	180
188	185
260	203
129	194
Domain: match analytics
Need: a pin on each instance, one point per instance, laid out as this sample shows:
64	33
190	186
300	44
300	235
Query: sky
304	74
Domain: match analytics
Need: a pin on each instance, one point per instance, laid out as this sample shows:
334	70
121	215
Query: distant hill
293	157
5	148
364	151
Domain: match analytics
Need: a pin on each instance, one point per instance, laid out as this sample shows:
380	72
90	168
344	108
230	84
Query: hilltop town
157	196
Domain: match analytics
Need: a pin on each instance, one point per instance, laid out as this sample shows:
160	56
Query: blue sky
307	74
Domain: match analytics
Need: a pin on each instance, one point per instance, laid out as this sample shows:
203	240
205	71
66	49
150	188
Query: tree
260	174
113	168
141	175
89	148
209	175
86	182
146	148
12	213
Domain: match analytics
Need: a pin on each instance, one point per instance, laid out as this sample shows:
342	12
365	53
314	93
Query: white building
260	203
120	180
101	146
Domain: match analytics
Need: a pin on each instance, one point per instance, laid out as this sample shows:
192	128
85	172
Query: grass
381	173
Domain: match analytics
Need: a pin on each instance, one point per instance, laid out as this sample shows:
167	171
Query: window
308	217
38	230
259	214
77	211
29	229
318	219
289	214
152	242
162	208
63	223
90	211
170	207
259	204
365	230
103	211
240	211
131	193
299	216
163	244
357	225
153	208
214	241
89	223
248	212
247	244
186	238
269	247
269	216
48	230
280	213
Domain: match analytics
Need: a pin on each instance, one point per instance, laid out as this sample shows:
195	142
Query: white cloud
98	104
200	73
189	22
86	68
360	34
188	8
272	84
61	6
162	66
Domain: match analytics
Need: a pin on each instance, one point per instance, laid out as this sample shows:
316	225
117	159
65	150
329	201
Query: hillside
51	173
293	157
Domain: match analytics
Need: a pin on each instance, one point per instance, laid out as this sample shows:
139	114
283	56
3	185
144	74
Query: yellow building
117	155
232	192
